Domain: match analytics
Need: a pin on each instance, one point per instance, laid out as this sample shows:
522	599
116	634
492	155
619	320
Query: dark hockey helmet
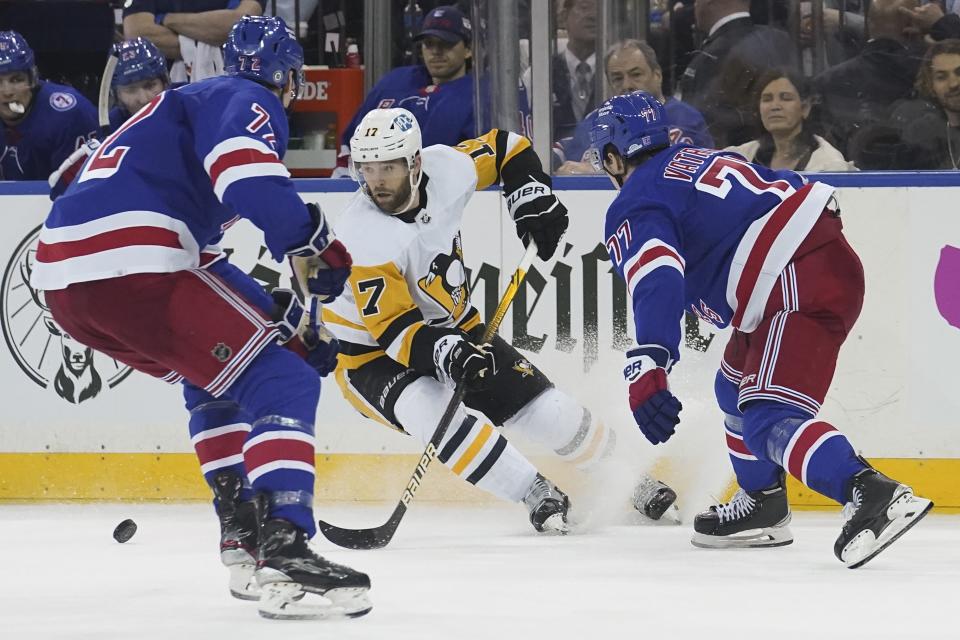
138	59
263	49
632	123
16	55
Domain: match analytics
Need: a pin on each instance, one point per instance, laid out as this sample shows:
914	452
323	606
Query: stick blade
373	538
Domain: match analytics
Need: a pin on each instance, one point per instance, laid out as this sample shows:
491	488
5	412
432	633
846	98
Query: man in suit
720	79
574	67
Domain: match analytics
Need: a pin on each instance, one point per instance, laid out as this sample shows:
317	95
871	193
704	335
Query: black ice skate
238	535
653	499
288	569
880	510
548	506
750	519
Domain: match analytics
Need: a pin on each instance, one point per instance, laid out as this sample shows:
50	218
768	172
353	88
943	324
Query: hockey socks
281	392
218	429
471	447
557	421
811	450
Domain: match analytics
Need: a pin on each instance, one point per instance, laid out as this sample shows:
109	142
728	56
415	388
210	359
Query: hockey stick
103	101
378	537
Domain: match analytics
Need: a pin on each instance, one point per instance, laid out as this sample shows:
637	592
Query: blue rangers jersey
59	120
687	126
705	231
169	181
119	114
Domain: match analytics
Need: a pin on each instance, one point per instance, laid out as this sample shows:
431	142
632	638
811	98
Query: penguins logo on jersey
446	283
523	367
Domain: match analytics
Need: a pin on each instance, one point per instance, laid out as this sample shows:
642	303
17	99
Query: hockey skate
654	499
548	506
750	519
238	535
289	569
880	510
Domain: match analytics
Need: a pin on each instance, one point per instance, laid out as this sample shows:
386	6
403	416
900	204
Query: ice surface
465	573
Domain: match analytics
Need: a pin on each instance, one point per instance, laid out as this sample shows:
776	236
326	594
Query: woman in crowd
787	142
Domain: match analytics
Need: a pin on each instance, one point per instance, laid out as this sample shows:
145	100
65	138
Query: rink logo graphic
62	101
221	352
428	455
45	353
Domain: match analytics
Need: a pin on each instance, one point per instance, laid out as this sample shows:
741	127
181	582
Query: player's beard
393	203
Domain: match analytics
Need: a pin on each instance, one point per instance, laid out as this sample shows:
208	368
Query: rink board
894	392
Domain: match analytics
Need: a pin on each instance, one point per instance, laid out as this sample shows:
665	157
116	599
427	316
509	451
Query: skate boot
288	569
238	535
548	506
653	499
750	519
880	511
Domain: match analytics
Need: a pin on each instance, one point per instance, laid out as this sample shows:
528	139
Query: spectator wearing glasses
43	122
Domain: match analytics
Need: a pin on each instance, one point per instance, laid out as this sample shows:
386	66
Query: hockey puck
124	531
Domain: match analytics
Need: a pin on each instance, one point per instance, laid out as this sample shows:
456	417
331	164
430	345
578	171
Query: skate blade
243	585
779	536
285	601
904	512
555	525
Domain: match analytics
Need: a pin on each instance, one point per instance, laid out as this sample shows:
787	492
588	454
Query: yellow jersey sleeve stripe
490	151
328	315
401	349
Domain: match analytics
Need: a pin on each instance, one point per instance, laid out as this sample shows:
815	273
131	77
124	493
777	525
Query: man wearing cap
439	92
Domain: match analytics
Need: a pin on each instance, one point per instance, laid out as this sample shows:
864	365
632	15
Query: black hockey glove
537	212
464	362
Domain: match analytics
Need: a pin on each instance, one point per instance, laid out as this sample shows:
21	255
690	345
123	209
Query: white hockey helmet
383	135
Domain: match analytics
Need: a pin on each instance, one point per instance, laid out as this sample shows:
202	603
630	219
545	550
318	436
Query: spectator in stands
930	126
193	36
439	92
574	67
857	95
140	76
722	76
787	142
632	65
43	122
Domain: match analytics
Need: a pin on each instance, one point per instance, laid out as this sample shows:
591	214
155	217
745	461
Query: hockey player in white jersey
408	332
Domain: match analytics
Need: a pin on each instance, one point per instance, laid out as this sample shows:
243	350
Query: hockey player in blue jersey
129	266
141	74
739	244
43	122
139	77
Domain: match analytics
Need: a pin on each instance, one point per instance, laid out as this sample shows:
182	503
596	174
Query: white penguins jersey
408	285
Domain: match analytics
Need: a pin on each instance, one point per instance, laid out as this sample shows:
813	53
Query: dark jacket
860	92
720	79
564	119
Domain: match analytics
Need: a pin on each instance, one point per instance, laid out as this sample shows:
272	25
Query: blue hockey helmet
16	54
632	123
137	59
263	49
